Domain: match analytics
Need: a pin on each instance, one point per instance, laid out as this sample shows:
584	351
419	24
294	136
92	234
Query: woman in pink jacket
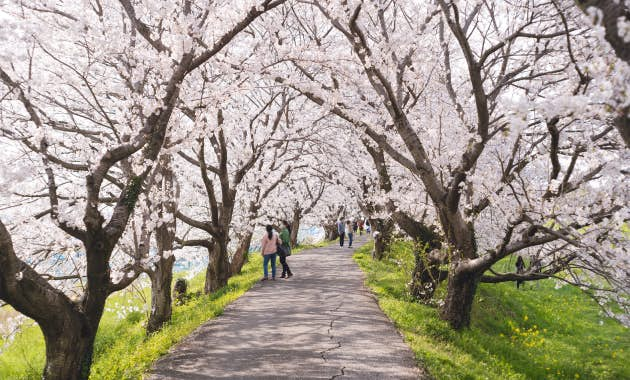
268	248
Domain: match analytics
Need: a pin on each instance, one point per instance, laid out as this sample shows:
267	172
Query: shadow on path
320	324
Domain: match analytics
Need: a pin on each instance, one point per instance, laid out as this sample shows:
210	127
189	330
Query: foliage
538	332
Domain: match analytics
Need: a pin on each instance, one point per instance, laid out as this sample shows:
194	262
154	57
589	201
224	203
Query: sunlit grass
122	350
538	332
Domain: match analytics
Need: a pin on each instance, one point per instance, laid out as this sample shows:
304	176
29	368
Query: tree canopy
132	129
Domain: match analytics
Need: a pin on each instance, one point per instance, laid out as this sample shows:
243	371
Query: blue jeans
271	257
350	236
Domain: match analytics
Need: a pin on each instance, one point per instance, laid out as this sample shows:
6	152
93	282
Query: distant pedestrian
361	226
355	226
285	249
341	229
269	247
350	233
368	228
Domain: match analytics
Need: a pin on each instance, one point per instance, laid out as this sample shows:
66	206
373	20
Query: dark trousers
285	267
350	236
342	235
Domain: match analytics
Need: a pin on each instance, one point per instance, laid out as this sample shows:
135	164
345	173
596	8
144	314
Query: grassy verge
301	248
538	332
122	350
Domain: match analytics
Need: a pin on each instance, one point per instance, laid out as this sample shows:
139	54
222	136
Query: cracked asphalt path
320	324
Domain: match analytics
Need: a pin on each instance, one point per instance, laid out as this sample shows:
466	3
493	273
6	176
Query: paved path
320	324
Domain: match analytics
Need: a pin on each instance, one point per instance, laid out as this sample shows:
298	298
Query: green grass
538	332
122	350
301	247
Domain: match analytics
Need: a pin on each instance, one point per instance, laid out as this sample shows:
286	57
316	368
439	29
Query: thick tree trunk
162	276
161	300
242	254
461	290
69	347
462	282
218	271
295	226
382	231
331	231
69	337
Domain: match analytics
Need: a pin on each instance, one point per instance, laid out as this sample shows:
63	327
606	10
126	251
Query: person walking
350	232
285	249
268	248
360	227
341	229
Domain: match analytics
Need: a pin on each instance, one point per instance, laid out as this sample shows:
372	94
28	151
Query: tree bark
162	276
218	271
161	300
622	123
426	275
331	231
462	282
423	280
68	349
295	226
242	254
461	289
382	231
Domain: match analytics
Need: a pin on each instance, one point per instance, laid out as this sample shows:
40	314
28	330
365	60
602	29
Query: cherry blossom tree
499	154
482	129
614	16
231	146
90	90
608	57
153	225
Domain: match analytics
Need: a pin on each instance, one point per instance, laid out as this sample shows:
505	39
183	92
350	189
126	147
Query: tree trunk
218	271
382	231
242	254
461	289
295	226
331	231
462	281
69	349
161	301
622	123
162	276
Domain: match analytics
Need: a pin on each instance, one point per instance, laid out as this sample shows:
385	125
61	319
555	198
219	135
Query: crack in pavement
340	375
332	329
323	353
330	335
